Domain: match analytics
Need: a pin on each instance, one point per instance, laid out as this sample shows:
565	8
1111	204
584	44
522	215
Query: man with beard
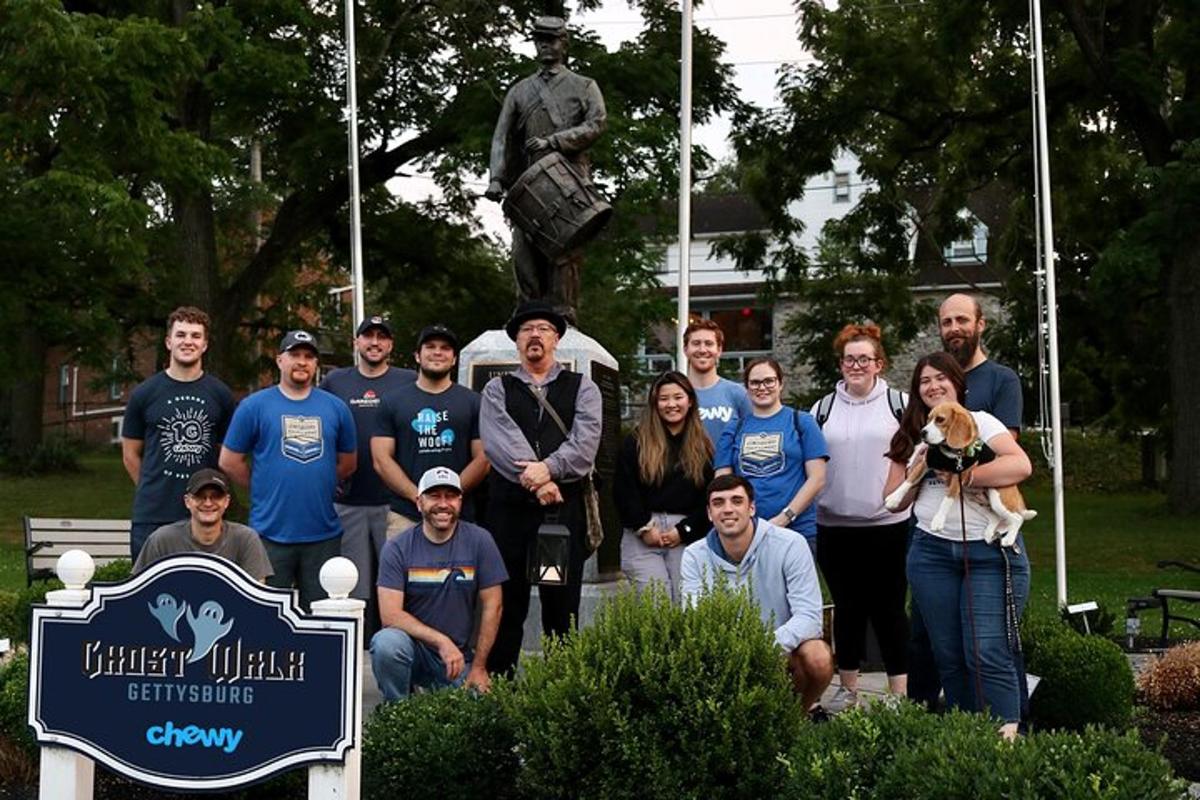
432	579
433	422
172	427
303	443
991	387
537	469
363	499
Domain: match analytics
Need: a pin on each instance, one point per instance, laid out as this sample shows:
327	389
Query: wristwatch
791	515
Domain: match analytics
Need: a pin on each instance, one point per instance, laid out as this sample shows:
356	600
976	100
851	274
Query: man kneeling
777	565
431	577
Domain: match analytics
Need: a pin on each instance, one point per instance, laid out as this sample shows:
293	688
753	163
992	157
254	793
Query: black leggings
864	569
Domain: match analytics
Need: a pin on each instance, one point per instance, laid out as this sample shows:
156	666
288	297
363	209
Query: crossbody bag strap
545	404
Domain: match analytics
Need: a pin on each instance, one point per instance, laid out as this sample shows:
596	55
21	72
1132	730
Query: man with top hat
363	500
553	110
433	422
537	469
206	531
303	443
435	580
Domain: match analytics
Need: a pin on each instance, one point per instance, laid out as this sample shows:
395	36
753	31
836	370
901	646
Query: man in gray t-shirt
206	531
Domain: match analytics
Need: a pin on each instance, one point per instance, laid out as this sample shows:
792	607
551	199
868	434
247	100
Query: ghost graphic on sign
207	627
167	611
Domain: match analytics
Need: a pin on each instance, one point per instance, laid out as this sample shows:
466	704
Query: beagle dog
955	447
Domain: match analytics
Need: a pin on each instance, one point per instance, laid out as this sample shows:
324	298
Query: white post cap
338	577
75	568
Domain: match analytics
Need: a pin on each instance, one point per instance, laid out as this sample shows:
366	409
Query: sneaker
842	699
817	714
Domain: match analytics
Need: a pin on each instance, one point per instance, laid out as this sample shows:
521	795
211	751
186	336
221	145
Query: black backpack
896	399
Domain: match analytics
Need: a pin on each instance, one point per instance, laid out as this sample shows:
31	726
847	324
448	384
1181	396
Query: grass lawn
1113	540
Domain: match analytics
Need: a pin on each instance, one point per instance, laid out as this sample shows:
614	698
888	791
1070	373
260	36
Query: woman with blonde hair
662	472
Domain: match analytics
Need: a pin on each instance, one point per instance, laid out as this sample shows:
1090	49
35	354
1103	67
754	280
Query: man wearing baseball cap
433	422
432	580
303	443
363	500
206	531
537	469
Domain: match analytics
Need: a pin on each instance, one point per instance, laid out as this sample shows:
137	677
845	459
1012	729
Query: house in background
732	297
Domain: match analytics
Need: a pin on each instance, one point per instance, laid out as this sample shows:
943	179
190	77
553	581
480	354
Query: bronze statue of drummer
539	157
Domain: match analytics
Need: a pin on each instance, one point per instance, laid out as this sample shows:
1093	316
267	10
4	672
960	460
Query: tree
151	110
933	97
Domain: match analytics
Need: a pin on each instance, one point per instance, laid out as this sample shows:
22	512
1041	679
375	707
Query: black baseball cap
374	322
437	331
203	478
294	339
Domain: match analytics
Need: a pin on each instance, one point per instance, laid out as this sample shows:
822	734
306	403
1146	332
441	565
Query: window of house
972	249
114	434
115	389
841	187
64	384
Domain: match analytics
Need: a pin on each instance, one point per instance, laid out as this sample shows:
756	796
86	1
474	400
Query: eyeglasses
862	362
542	328
765	383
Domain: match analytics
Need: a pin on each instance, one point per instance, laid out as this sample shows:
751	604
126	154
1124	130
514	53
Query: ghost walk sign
192	676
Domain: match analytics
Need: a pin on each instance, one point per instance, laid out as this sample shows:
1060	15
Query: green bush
16	608
882	753
1086	680
1100	461
653	701
54	455
458	741
14	702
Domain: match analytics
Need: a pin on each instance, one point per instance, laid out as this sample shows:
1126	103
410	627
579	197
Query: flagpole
356	267
685	181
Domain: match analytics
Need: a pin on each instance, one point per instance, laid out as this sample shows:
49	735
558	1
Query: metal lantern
550	555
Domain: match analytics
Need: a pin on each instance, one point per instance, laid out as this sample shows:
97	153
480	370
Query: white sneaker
842	699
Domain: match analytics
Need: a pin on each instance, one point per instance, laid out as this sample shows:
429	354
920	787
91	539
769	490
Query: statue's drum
556	205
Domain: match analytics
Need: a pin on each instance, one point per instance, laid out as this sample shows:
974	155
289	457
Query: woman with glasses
663	469
970	593
779	449
860	544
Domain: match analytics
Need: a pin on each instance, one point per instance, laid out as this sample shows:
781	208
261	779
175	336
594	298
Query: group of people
823	474
719	481
383	465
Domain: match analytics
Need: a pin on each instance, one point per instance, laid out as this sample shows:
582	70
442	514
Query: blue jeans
950	601
400	662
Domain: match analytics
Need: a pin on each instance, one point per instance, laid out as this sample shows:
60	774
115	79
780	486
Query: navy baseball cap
374	322
437	331
298	338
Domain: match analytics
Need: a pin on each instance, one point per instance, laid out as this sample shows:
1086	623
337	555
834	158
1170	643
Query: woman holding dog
663	469
779	449
860	544
970	593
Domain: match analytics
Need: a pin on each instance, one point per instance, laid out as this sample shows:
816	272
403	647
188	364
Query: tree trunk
27	393
1184	332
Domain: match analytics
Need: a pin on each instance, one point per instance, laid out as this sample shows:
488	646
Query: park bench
1161	599
47	538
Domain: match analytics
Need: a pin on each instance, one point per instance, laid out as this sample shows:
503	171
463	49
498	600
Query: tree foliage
933	97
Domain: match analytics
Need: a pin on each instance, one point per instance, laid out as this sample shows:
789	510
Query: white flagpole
685	180
356	268
1043	147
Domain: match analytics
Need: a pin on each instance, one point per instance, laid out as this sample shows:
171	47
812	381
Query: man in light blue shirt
776	564
720	400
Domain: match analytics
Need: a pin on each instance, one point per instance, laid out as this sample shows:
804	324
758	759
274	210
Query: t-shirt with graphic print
294	445
181	425
441	582
720	404
365	397
771	452
430	430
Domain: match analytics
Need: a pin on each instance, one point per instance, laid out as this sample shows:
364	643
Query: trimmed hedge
1086	680
16	608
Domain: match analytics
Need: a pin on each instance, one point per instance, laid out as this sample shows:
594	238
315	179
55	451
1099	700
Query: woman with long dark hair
861	545
970	593
662	471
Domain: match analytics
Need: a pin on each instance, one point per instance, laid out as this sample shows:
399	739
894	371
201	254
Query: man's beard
434	374
964	351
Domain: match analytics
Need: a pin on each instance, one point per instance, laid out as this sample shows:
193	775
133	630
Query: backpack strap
823	409
897	400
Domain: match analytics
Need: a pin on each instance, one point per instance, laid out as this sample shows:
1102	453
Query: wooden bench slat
49	563
1178	594
52	524
94	550
82	538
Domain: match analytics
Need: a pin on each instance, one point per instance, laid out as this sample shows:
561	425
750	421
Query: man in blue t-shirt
302	441
720	400
432	579
173	426
991	387
363	501
433	422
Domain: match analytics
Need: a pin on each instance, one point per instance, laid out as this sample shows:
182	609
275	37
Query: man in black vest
536	470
